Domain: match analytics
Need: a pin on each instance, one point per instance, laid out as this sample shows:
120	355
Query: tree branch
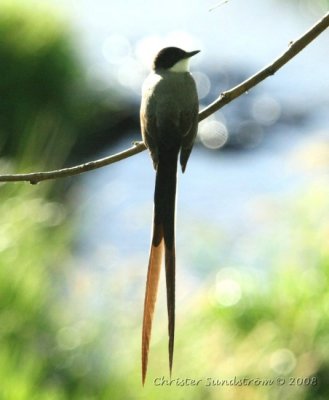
226	97
294	48
36	177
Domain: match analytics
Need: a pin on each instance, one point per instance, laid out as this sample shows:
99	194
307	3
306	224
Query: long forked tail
163	239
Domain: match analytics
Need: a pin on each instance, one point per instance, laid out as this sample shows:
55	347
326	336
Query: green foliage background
39	78
278	327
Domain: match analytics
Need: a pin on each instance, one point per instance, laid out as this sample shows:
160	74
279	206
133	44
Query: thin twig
226	97
218	5
36	177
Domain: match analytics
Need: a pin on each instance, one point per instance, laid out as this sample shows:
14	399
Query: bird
169	123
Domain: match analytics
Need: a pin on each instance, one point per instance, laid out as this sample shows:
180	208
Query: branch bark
226	97
36	177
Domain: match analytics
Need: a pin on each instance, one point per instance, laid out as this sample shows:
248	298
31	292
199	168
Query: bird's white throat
181	66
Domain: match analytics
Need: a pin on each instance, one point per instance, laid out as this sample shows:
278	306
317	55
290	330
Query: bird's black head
169	56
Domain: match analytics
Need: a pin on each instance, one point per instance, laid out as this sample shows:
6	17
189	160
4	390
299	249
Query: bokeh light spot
266	110
203	84
283	361
228	291
213	134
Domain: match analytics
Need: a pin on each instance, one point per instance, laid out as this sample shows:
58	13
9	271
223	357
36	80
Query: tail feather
170	282
151	291
163	239
168	172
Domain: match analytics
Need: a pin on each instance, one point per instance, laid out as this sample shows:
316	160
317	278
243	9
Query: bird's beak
192	53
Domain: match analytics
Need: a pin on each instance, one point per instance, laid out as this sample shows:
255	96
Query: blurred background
253	205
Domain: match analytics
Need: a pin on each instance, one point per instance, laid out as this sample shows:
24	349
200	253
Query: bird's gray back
169	111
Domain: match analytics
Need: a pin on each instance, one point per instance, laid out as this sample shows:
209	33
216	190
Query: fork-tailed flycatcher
169	123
